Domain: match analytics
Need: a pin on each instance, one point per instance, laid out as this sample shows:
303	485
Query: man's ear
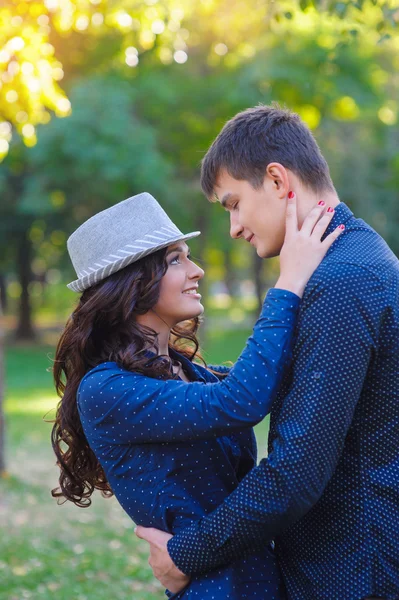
277	176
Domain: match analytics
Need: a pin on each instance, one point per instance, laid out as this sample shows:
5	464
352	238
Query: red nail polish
291	195
341	226
321	203
330	209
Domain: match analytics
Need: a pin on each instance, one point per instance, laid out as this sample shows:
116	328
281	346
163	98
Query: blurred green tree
101	152
42	41
182	70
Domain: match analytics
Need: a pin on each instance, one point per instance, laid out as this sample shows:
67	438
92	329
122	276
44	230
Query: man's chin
266	252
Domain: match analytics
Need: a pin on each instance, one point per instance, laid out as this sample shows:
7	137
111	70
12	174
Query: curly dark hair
103	328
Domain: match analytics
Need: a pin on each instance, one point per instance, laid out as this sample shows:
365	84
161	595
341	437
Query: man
328	492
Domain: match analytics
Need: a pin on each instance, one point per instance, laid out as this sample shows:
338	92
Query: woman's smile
192	292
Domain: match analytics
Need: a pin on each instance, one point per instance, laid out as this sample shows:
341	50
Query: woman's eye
176	259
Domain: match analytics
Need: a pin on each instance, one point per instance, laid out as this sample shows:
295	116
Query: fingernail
321	203
135	529
330	209
341	226
291	195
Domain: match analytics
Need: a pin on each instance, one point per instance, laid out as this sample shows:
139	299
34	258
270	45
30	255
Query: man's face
258	216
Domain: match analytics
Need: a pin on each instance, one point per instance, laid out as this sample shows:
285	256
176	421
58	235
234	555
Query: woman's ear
277	176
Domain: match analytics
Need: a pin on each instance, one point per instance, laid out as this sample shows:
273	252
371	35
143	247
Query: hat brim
83	283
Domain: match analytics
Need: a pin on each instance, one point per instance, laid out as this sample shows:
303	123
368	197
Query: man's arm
338	329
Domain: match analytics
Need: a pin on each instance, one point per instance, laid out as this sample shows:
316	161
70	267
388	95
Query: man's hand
162	565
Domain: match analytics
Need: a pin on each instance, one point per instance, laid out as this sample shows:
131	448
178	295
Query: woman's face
179	298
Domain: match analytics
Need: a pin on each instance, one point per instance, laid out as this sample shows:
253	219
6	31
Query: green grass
64	552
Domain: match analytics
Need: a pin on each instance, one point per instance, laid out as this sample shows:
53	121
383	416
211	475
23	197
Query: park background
100	100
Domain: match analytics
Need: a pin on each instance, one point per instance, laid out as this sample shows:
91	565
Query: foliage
151	84
100	153
43	42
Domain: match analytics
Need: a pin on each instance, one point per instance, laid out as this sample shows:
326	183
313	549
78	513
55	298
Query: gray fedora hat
119	236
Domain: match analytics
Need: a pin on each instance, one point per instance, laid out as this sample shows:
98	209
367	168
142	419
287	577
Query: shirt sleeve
123	407
247	440
337	335
220	370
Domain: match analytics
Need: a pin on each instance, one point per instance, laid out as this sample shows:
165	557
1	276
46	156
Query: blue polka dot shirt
172	451
328	492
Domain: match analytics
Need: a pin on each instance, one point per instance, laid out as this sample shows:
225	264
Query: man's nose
235	228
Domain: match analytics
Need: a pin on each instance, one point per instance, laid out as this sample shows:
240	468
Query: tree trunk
229	278
201	223
3	293
2	425
25	329
259	285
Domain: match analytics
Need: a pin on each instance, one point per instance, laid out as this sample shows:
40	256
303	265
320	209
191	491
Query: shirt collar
193	373
342	214
190	368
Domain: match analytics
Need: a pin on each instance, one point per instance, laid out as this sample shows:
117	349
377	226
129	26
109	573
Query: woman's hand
303	250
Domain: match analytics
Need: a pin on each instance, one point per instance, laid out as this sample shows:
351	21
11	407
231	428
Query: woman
139	418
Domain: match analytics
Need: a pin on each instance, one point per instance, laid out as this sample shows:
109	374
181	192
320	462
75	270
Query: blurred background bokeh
100	100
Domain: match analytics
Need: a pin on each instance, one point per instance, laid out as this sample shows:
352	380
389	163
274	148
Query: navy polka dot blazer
329	489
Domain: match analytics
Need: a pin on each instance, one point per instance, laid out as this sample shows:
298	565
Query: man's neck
308	200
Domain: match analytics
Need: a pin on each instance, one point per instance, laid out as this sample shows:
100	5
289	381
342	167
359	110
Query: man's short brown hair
258	136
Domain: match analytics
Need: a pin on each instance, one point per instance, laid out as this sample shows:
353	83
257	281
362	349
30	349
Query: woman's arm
222	369
123	407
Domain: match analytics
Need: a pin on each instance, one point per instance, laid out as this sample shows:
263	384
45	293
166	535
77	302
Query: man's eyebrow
178	249
226	198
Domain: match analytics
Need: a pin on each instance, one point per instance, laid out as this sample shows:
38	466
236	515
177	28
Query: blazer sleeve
220	370
338	333
122	407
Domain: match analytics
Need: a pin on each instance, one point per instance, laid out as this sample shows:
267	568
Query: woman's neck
152	320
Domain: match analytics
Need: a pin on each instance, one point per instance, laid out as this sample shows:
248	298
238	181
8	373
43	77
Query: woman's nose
197	272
